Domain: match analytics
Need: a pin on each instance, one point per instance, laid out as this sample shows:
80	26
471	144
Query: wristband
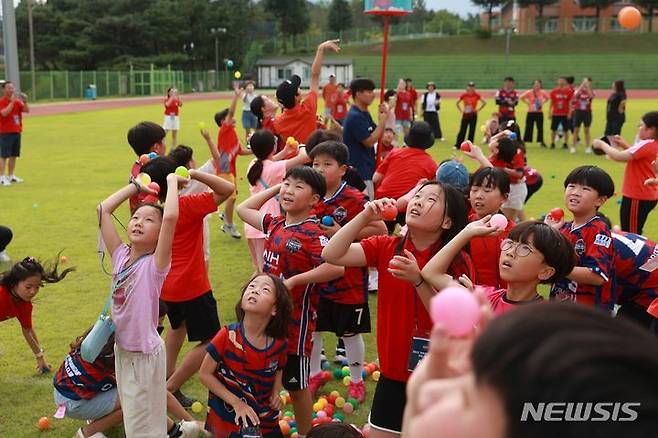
136	184
422	280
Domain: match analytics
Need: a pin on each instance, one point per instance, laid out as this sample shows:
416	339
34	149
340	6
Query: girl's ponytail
29	267
262	144
255	171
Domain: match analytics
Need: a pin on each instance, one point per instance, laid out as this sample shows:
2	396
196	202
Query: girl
535	99
582	114
88	391
249	120
138	272
18	287
615	114
434	215
488	193
431	106
172	103
403	109
263	173
243	367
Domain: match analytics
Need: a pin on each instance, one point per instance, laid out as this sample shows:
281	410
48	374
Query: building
272	71
563	16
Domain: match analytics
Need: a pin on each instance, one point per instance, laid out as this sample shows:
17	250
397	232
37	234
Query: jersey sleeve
198	206
372	249
24	315
359	128
598	251
267	222
647	150
217	346
317	243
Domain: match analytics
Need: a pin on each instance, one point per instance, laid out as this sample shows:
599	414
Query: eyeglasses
520	249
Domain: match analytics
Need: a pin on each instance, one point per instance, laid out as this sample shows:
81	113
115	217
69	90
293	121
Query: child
351	176
244	364
535	99
265	109
638	199
434	215
387	143
293	245
472	104
172	104
138	272
404	107
343	307
488	193
431	105
533	253
561	97
335	430
18	287
390	99
328	93
229	148
144	138
249	120
264	172
586	190
582	114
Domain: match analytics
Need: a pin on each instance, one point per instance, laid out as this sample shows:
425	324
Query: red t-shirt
228	145
343	206
172	108
638	169
518	163
339	106
136	199
404	106
402	169
12	122
500	304
414	95
470	104
582	101
328	91
486	250
560	100
11	307
300	121
400	312
188	276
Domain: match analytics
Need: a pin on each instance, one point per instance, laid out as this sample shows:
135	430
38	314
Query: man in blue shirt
360	133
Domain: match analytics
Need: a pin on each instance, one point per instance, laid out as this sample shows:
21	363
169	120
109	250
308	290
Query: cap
454	173
287	90
471	84
420	136
331	75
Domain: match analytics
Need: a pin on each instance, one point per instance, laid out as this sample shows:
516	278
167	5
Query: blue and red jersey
636	269
249	373
506	101
292	249
342	207
594	249
77	379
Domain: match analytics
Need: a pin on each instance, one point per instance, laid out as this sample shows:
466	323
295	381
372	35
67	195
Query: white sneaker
572	150
588	150
15	179
442	139
189	429
4	257
230	229
4	181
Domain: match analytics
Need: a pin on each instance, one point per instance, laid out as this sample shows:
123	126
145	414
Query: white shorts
517	194
171	123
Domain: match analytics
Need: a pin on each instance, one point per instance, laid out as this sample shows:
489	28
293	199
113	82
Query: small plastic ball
229	63
465	146
144	179
63	259
237	74
288	414
152	155
327	221
322	414
557	214
182	172
512	136
285	427
346	371
197	407
348	408
326	366
338	374
364	374
340	402
353	402
375	376
339	416
322	402
202	126
629	18
317	407
43	423
498	221
154	186
457	309
143	159
390	213
347	380
326	376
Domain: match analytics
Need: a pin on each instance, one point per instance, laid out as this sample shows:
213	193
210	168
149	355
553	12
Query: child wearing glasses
533	253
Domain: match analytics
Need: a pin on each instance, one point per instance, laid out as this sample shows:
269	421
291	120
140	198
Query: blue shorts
98	407
249	120
10	145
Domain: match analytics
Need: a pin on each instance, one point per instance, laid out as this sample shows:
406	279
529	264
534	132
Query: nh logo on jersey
603	240
271	257
293	245
324	241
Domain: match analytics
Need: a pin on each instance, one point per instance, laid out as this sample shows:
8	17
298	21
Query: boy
299	118
144	138
12	107
507	98
343	307
533	253
293	247
561	97
387	143
586	190
328	92
229	148
472	104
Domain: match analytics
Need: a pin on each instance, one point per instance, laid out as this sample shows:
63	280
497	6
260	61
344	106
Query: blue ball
152	155
229	63
294	423
326	366
364	374
512	136
327	221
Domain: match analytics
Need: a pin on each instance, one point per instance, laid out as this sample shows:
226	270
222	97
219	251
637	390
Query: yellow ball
340	402
483	128
202	126
375	376
317	407
347	380
323	402
144	178
237	74
197	407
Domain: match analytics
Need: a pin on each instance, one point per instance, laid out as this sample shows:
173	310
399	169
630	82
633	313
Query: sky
461	7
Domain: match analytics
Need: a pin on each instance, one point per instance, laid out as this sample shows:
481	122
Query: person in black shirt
615	109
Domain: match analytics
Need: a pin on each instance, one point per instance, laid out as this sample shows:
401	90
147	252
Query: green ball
345	372
338	374
288	414
293	430
182	172
353	402
339	416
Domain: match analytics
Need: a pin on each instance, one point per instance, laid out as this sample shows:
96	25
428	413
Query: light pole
10	43
30	24
216	31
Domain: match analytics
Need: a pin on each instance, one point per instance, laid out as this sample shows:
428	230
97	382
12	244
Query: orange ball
629	18
43	423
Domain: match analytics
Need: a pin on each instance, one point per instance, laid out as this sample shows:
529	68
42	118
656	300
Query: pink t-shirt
500	304
273	174
135	300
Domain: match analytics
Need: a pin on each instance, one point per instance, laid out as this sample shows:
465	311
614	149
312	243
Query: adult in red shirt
561	98
507	98
403	108
12	107
469	104
582	113
409	86
339	104
328	92
638	197
299	117
172	104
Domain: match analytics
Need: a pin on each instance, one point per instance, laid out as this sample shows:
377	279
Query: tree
649	5
292	15
340	15
445	22
540	10
598	5
489	5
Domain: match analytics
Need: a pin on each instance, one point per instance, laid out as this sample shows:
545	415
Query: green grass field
71	162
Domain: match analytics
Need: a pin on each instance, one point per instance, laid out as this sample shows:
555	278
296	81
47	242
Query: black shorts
10	145
342	319
559	120
582	118
296	373
388	405
199	315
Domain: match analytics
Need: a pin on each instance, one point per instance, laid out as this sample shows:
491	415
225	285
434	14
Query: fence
65	85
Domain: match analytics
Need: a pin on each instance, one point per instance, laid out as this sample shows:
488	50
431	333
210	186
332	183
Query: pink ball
456	309
348	408
498	221
322	414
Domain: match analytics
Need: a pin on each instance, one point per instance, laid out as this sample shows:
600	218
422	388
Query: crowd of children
320	226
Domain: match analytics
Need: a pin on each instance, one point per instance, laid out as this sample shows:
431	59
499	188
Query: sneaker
442	139
588	150
221	216
230	229
4	181
314	383
189	429
572	150
552	145
340	356
15	179
4	257
565	146
357	391
185	401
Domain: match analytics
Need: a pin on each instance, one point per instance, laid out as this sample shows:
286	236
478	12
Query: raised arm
214	152
6	110
249	209
221	188
237	92
108	206
477	154
316	67
169	218
614	153
377	133
320	274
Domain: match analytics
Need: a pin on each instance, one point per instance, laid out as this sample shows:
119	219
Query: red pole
382	86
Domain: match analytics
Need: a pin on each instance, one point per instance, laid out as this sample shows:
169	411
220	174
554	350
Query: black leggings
467	123
534	119
633	214
432	118
5	237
